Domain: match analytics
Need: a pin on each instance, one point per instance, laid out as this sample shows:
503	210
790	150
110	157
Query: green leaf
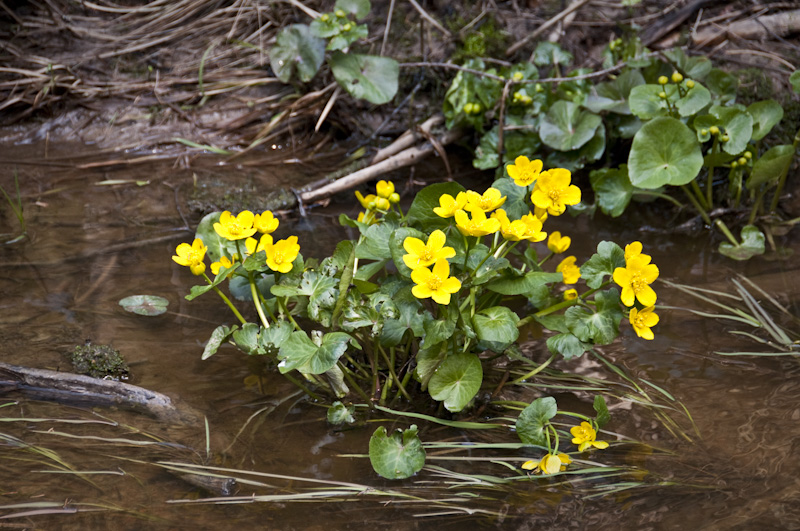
794	79
375	243
246	339
360	8
396	456
608	257
549	53
339	414
457	380
216	244
489	265
486	155
766	114
367	77
469	88
752	244
516	204
396	240
297	50
270	339
603	416
496	328
437	331
408	318
738	126
301	353
218	336
523	285
771	165
568	345
344	39
149	305
695	99
532	422
600	327
723	85
566	127
613	189
695	67
613	96
421	210
645	102
664	151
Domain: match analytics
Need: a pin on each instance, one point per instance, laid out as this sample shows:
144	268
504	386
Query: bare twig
432	21
541	29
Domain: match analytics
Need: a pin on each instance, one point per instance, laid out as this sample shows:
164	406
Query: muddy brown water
92	245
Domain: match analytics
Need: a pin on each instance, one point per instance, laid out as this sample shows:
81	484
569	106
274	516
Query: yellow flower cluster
381	201
635	279
436	282
552	189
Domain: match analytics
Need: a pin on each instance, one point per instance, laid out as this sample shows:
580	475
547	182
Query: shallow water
92	245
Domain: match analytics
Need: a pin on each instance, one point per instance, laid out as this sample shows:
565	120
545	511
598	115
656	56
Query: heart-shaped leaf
766	114
218	336
534	419
664	151
738	125
752	244
566	127
608	257
396	456
457	380
149	305
367	77
496	328
297	50
612	188
301	353
771	165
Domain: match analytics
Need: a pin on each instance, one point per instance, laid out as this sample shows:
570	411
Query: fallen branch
766	27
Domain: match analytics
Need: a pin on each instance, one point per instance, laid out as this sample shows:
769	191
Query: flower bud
689	84
677	77
517	76
704	132
662	80
382	203
724	138
742	161
340	13
662	95
394	198
325	17
748	155
347	27
467	108
734	164
714	130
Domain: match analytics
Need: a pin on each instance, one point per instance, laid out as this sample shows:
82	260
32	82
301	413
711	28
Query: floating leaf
367	77
771	165
566	127
752	244
664	151
457	380
396	456
297	50
149	305
339	414
534	419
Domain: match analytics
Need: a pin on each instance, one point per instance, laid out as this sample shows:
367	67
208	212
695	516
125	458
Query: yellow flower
479	225
584	436
570	294
491	199
642	321
366	201
367	218
383	204
513	231
635	279
524	171
385	189
265	222
421	254
570	271
191	256
635	249
449	205
281	254
540	213
235	228
224	261
554	192
534	226
436	283
549	464
557	243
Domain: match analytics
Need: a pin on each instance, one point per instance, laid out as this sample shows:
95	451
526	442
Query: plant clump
99	361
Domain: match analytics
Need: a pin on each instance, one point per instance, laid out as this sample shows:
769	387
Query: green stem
696	204
226	299
782	181
535	371
661	196
395	379
546	258
718	223
285	309
757	204
257	299
305	389
355	386
699	194
710	178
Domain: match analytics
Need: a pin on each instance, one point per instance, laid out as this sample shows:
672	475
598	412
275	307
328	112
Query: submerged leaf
396	456
752	244
149	305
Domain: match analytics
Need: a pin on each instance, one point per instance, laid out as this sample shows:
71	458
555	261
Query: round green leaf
396	456
457	381
148	305
695	99
664	151
612	189
794	79
645	103
533	420
566	127
496	328
771	165
752	244
738	126
766	114
297	50
367	77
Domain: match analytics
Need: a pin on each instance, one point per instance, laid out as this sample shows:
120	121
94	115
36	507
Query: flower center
434	283
554	194
277	257
426	255
638	283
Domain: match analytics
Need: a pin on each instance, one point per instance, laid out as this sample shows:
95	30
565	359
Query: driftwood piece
57	386
765	27
216	484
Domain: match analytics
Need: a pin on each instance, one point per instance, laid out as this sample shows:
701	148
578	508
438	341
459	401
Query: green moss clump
99	361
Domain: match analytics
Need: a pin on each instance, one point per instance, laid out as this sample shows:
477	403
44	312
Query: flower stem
718	223
256	299
535	371
226	300
696	204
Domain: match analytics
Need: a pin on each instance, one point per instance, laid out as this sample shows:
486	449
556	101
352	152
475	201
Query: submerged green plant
17	209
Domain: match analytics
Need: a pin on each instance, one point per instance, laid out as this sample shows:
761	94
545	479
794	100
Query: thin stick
328	107
388	25
432	21
541	29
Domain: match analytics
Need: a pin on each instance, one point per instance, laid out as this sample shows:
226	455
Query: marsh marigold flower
421	254
385	189
281	254
554	192
366	201
534	224
449	205
570	294
224	261
642	321
557	243
524	171
569	270
584	436
191	256
265	222
235	228
436	283
490	199
478	225
512	231
635	279
549	464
